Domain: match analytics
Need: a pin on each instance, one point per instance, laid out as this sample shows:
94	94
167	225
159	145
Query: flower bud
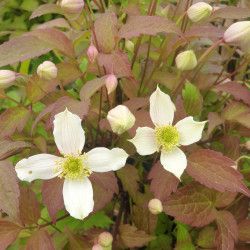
129	45
199	11
120	119
186	60
7	77
238	34
47	71
92	52
72	6
247	145
97	247
155	206
105	239
111	82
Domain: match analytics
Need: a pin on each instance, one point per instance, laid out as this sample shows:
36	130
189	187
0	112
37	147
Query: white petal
103	160
190	130
39	166
175	161
78	197
145	141
68	133
161	108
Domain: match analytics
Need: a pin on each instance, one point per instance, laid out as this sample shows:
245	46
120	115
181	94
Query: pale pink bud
97	247
92	52
199	11
186	60
72	6
7	77
111	82
120	119
47	71
155	206
105	239
238	34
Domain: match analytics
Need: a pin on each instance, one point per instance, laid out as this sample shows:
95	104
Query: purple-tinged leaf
205	31
214	120
180	112
40	240
29	206
163	183
227	233
8	233
106	30
58	22
52	196
147	25
46	9
244	232
136	103
215	171
9	190
224	199
231	13
192	204
206	238
233	110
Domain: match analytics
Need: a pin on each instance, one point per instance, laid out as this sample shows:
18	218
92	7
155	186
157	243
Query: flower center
167	137
73	167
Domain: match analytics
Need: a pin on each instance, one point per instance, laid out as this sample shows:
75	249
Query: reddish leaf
106	180
163	182
215	171
231	146
40	240
244	232
26	47
132	10
240	209
13	118
147	25
238	91
91	87
231	13
67	73
206	238
131	237
205	31
57	22
227	230
76	242
244	119
56	39
8	146
136	103
214	120
29	206
105	29
46	9
180	112
101	197
9	190
52	196
8	233
192	204
165	78
224	199
233	110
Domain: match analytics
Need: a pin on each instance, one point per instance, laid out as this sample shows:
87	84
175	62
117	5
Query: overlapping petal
103	160
161	108
145	141
41	166
68	133
78	197
174	161
190	131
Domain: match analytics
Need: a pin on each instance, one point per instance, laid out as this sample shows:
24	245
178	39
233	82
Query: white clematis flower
73	166
166	137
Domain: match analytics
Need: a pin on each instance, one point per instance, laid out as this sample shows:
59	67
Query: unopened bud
155	206
238	34
105	239
129	45
7	77
97	247
164	11
186	60
199	11
92	52
47	71
111	82
72	6
120	119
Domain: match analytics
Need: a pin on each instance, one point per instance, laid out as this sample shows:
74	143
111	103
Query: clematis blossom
167	138
74	166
